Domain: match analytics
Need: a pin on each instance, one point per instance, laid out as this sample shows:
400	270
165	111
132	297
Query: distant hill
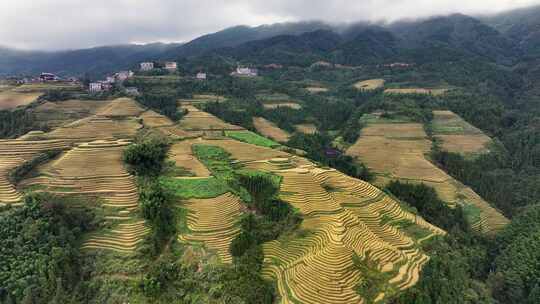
95	61
501	39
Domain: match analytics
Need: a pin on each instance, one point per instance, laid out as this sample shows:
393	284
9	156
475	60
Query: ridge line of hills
503	39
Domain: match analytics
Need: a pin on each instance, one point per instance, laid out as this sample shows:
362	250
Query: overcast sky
62	24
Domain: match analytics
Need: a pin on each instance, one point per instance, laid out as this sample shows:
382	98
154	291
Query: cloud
61	24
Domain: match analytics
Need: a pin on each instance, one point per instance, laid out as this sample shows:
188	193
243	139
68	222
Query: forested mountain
94	61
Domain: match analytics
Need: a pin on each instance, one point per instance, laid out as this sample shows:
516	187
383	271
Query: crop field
306	128
152	119
252	138
42	87
270	130
214	222
121	107
96	169
434	92
181	153
201	99
197	120
347	220
397	151
14	153
58	113
457	135
371	84
10	99
97	127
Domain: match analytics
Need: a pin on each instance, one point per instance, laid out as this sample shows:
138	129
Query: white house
123	75
147	66
111	79
171	66
201	76
245	72
95	87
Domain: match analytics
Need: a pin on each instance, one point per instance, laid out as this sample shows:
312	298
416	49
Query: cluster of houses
107	84
170	66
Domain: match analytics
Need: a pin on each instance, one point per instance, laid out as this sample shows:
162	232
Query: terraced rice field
457	135
270	130
152	119
14	153
397	151
434	92
371	84
306	128
121	107
96	169
197	120
11	99
213	222
182	154
97	127
318	268
200	99
59	113
352	218
42	87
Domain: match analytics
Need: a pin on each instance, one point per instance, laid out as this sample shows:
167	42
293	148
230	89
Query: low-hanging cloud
63	24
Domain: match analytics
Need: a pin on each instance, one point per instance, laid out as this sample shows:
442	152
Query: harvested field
316	90
397	151
14	153
42	87
97	127
197	120
155	120
270	130
213	222
59	113
201	99
434	92
371	84
318	268
96	169
306	128
10	99
121	107
181	153
457	135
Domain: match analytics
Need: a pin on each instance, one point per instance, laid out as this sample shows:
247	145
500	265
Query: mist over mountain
502	39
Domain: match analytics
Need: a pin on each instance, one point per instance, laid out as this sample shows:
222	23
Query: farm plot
270	130
11	99
343	222
181	153
252	138
371	84
152	119
344	216
397	151
434	92
457	135
97	127
121	107
214	222
59	113
197	120
201	99
306	128
14	153
96	169
42	87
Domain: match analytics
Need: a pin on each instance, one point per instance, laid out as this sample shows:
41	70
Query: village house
48	77
147	66
111	79
171	66
100	86
201	76
123	75
249	72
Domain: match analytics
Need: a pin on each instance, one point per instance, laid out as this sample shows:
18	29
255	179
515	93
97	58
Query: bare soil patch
371	84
